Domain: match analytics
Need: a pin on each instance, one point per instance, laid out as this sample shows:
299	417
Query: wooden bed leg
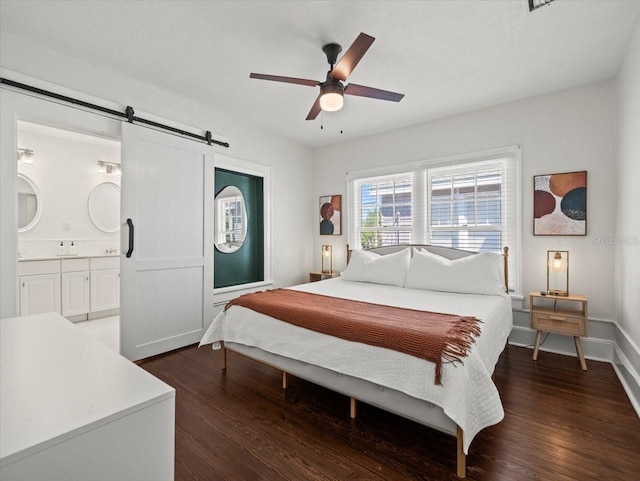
462	458
224	356
285	381
353	412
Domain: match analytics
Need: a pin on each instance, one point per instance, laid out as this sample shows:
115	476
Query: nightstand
320	276
568	318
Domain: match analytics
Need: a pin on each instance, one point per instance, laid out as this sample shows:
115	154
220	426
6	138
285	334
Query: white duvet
467	395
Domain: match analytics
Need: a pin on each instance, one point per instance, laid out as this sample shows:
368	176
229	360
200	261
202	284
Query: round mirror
29	203
230	220
104	206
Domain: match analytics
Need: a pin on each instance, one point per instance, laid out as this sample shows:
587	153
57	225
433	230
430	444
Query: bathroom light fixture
558	273
531	5
25	156
327	259
105	167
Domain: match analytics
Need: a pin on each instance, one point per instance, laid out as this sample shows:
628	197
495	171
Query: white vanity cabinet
39	287
105	283
75	287
70	286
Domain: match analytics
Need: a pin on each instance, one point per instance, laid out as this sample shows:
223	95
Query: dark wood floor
561	423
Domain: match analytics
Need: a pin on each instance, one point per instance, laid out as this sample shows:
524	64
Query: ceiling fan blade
315	110
289	80
352	56
362	91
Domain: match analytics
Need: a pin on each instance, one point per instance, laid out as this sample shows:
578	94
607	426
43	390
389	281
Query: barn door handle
130	224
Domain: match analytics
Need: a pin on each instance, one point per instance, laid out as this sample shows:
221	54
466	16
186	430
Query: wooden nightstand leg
537	345
583	363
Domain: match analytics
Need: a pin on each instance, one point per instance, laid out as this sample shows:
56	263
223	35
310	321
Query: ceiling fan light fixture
331	98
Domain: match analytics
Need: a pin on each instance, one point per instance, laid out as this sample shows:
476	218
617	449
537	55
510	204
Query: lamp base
326	271
558	293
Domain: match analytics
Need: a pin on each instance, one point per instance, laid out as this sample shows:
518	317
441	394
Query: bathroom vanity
79	288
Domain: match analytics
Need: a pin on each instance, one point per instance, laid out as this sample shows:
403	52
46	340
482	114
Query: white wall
560	132
291	164
627	233
65	172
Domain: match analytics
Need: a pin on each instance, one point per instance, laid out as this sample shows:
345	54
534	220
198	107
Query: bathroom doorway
68	242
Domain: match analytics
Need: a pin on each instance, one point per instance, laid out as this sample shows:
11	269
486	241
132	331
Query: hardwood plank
561	423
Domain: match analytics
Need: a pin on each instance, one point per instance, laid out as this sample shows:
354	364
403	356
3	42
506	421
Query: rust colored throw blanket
427	335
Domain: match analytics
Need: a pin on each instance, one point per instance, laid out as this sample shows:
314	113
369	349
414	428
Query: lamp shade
327	259
331	98
558	273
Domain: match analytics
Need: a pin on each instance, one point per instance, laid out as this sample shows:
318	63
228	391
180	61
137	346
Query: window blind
382	210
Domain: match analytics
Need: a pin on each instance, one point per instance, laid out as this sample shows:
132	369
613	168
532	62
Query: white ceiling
447	57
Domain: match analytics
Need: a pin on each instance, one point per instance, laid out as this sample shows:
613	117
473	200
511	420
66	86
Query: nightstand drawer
574	326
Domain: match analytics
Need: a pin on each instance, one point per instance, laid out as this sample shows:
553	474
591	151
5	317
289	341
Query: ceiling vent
532	5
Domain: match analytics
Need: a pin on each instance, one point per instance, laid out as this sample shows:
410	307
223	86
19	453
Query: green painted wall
247	263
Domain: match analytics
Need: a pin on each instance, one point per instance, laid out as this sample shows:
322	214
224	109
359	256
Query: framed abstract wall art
560	204
331	215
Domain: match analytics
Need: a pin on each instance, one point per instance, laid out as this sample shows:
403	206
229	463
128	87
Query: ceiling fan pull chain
341	116
321	119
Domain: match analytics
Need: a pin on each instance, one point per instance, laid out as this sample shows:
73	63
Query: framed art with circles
331	215
560	204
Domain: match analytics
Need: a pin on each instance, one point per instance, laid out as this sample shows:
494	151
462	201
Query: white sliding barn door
166	289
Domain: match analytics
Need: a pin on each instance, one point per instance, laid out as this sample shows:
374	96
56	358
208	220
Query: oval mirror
29	203
104	206
230	220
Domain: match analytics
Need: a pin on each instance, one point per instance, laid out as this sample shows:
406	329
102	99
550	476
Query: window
385	211
469	203
466	207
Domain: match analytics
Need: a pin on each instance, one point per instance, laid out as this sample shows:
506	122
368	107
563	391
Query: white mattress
467	395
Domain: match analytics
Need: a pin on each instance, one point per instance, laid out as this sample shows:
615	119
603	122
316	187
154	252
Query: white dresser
73	409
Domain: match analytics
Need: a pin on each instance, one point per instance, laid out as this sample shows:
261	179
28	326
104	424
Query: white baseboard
607	342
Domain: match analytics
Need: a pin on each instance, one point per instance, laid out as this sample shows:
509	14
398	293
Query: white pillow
366	266
481	273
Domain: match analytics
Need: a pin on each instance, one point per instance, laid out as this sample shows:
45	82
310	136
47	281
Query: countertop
45	258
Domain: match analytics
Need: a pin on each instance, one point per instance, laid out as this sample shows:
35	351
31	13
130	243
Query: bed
415	277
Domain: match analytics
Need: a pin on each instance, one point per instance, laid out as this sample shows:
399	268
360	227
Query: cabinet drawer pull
558	318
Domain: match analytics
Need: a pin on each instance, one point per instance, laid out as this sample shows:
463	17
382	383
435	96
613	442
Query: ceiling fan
332	90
